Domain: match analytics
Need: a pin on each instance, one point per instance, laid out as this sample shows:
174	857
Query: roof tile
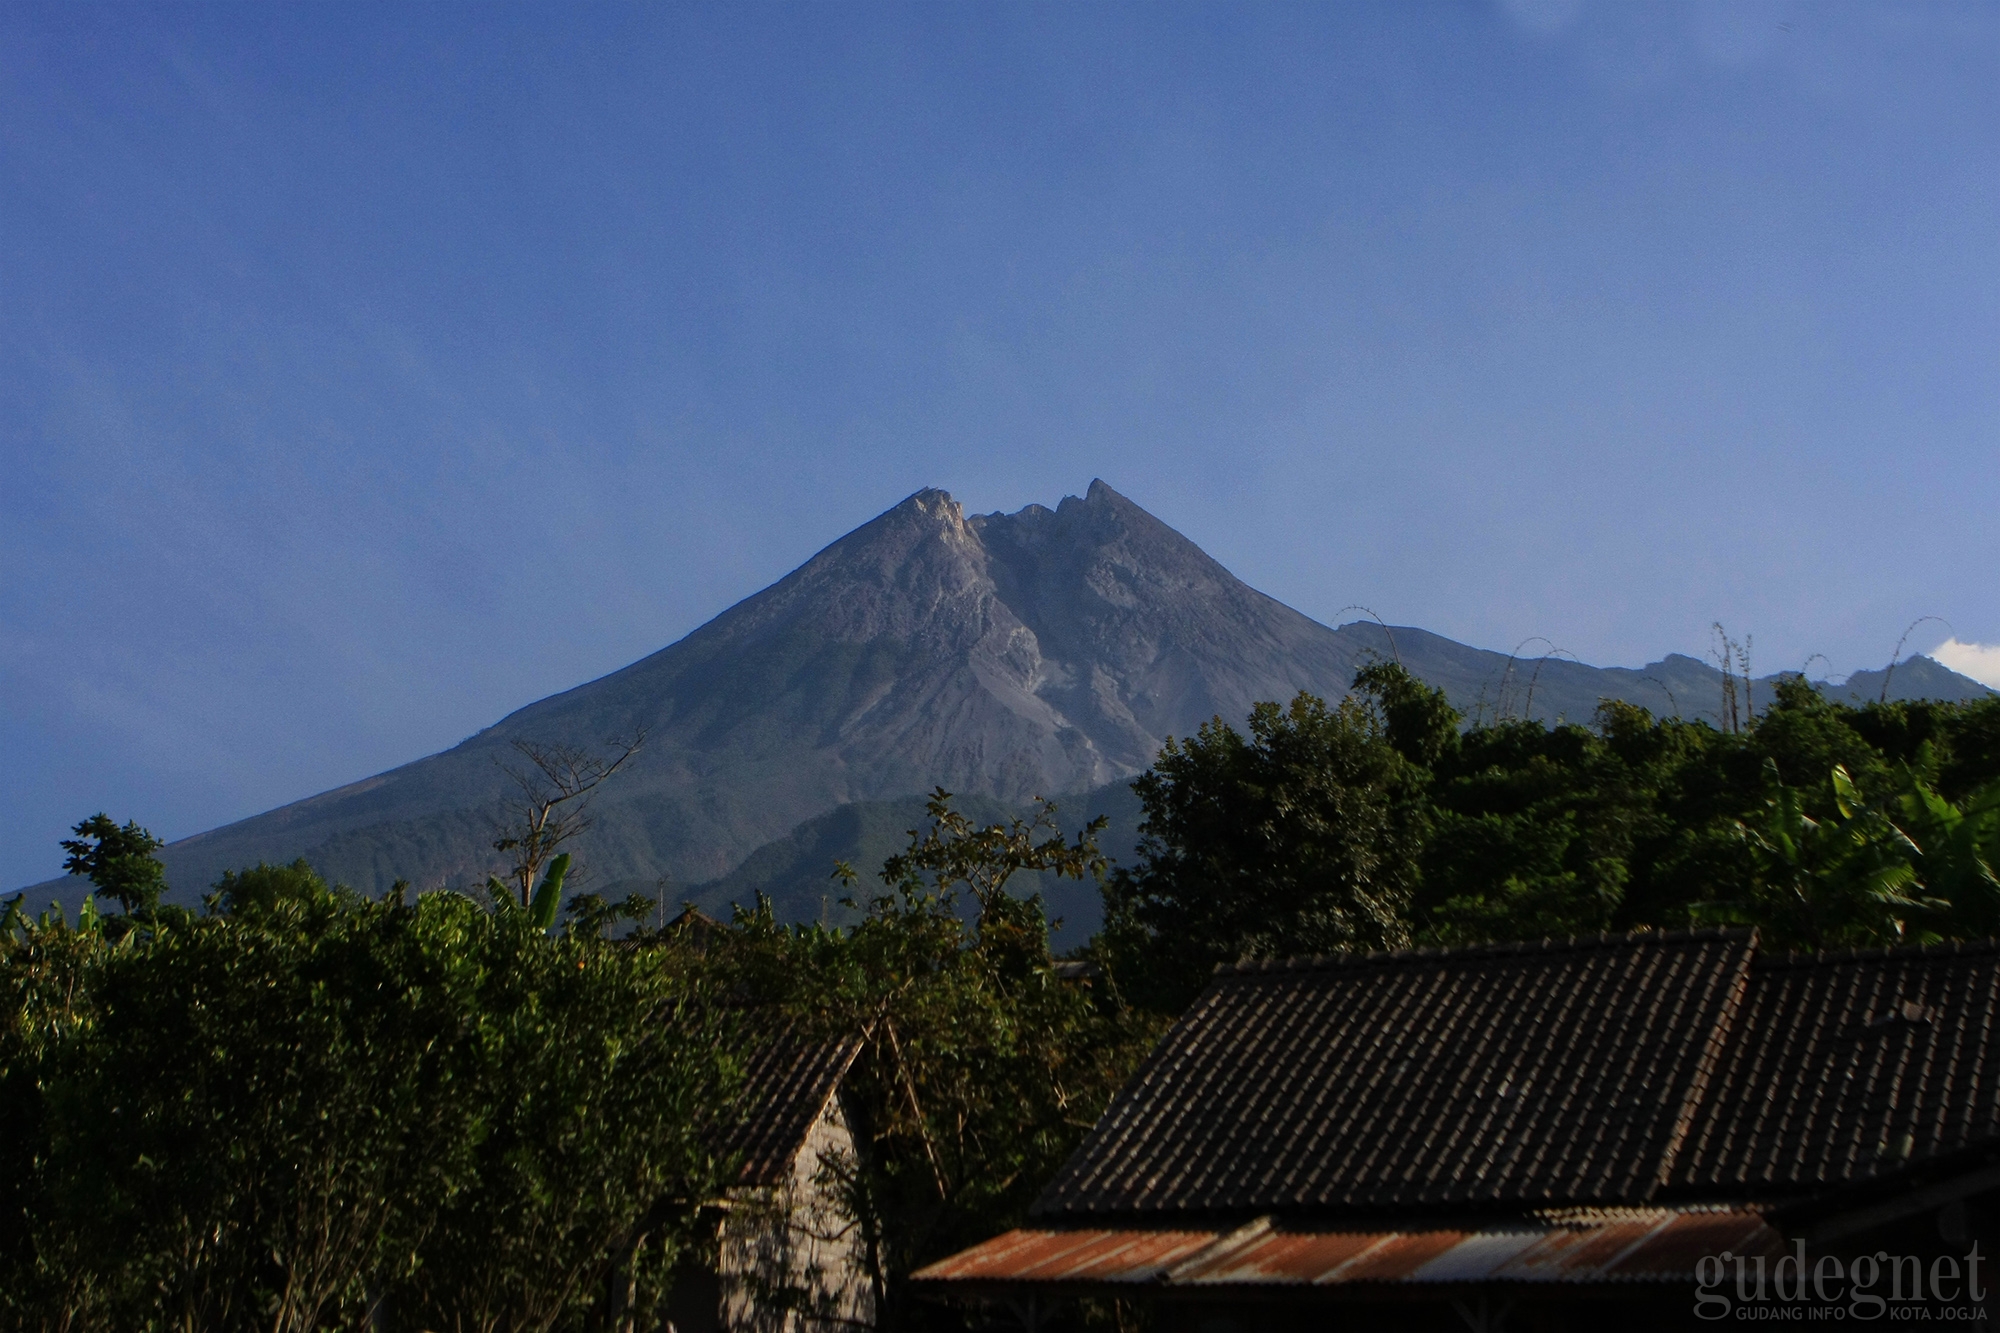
1554	1073
1845	1067
785	1087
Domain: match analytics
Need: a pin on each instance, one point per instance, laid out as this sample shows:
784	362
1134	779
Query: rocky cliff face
1002	656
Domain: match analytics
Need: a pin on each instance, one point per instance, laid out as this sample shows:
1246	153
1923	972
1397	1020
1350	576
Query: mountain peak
931	503
1100	493
1048	650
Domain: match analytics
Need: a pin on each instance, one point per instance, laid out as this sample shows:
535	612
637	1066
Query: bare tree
556	786
1734	660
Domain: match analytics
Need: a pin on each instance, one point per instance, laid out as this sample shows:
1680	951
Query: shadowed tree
1300	838
119	861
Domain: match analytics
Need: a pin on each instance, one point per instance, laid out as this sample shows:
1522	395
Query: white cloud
1981	661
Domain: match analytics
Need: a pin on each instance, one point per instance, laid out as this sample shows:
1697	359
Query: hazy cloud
1981	661
1547	16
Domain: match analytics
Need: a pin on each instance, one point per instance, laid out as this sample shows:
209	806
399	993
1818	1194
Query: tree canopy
984	1061
1384	821
307	1108
118	861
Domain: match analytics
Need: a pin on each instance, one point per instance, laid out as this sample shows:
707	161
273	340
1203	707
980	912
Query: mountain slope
1004	655
999	656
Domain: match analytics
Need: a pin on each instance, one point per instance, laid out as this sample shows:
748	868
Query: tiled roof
785	1087
1841	1068
1524	1075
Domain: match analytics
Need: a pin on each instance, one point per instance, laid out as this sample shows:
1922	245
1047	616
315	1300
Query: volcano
1000	656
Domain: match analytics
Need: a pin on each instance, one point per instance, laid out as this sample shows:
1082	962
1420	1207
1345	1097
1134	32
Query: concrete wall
790	1258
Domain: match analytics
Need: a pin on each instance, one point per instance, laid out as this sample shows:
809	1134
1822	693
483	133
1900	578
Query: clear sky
367	371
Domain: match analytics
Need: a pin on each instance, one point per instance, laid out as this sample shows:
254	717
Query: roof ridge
1723	1028
1824	957
1253	967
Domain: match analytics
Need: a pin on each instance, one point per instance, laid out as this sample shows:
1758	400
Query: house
784	1256
1652	1130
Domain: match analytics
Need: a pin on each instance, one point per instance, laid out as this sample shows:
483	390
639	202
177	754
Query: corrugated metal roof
1073	1256
1629	1245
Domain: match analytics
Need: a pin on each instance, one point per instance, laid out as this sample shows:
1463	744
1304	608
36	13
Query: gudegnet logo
1832	1287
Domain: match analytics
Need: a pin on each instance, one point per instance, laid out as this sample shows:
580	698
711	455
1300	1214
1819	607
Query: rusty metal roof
1072	1256
1573	1248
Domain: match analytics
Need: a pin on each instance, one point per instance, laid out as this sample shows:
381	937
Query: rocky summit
1000	656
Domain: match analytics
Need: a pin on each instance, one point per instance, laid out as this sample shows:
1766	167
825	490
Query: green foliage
119	861
953	852
306	1106
591	914
1818	883
1302	839
1957	847
306	1109
1538	830
1821	824
543	906
1417	719
603	1076
538	909
981	1066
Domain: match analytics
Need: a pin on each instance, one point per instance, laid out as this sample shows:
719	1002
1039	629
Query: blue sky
369	371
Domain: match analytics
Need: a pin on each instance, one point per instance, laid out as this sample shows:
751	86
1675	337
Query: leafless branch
557	785
1890	674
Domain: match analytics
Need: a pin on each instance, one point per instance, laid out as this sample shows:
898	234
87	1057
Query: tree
49	1274
953	854
603	1076
1417	719
1821	883
1957	848
1387	819
1301	839
1536	831
273	1100
119	861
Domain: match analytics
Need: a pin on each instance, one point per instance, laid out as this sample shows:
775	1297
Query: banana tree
1958	848
547	901
1850	880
